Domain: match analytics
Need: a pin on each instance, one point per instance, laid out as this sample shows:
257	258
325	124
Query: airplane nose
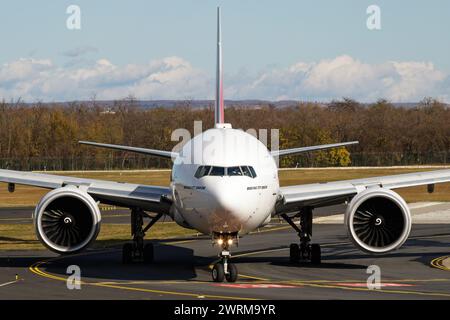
233	207
230	209
227	202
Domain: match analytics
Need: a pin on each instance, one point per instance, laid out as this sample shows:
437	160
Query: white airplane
224	184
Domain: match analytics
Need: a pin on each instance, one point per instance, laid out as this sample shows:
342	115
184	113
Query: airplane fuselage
224	181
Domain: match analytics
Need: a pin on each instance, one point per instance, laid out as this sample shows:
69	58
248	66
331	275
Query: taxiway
419	270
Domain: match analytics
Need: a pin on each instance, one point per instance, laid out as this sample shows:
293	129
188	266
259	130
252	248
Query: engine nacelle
67	220
378	220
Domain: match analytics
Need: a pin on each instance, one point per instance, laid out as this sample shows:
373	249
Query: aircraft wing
329	193
151	152
153	198
287	152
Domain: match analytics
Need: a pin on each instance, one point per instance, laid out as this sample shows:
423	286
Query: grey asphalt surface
180	270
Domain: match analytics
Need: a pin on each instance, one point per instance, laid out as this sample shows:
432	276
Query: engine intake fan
378	220
67	220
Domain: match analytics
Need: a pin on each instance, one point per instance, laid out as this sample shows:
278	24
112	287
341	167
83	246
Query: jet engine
378	220
67	220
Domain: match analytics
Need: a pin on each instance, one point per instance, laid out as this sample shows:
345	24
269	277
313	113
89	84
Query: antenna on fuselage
219	116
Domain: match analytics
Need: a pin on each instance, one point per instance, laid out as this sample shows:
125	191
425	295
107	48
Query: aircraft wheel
218	273
148	253
315	254
127	253
232	274
294	252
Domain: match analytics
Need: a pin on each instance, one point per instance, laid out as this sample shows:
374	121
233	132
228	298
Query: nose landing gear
224	269
305	250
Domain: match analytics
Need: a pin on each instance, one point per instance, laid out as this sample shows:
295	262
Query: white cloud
176	78
168	78
23	69
416	78
346	76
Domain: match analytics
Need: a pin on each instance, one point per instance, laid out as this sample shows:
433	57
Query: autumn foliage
44	136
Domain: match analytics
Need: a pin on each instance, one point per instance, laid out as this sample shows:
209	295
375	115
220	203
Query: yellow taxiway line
329	283
438	263
35	268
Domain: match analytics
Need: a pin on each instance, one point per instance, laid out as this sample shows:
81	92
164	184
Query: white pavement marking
7	283
419	205
334	219
440	216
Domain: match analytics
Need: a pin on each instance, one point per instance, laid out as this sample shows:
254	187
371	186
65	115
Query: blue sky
272	50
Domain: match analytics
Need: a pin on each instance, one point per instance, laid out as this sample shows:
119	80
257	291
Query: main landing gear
305	250
224	269
137	250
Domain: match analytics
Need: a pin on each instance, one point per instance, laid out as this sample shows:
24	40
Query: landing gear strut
224	269
137	250
305	250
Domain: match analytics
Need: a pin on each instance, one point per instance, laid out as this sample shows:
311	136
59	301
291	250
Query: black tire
217	273
127	253
148	253
294	253
316	255
232	274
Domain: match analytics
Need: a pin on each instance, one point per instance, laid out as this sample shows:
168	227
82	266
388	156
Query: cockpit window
202	171
253	172
221	171
246	171
217	171
234	171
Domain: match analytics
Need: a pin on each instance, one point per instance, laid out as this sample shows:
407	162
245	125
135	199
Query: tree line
42	136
